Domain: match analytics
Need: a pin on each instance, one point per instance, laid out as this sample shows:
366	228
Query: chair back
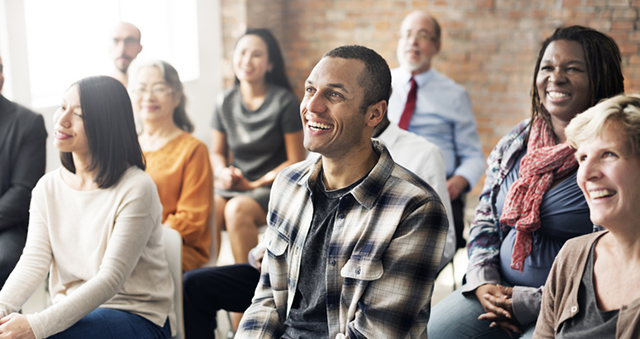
173	251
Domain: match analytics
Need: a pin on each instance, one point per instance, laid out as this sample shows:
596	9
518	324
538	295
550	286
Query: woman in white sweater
95	226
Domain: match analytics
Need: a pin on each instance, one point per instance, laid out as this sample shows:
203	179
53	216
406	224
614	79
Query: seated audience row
354	241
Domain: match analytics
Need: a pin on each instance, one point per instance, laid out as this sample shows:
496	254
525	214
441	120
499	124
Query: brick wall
488	46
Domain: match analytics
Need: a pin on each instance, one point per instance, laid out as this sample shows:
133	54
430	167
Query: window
68	39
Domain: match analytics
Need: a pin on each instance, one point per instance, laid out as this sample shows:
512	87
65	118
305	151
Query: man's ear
375	113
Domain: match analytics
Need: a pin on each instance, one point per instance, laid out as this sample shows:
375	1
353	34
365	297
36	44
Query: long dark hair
603	59
278	74
107	115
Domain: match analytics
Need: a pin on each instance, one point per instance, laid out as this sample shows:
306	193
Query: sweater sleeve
195	202
34	262
131	231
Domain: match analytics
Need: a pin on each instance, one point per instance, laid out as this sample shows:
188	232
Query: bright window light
68	39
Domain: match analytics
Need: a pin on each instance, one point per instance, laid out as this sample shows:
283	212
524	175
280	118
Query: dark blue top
564	214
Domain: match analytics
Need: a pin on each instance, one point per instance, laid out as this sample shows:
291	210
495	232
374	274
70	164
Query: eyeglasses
127	41
421	35
158	91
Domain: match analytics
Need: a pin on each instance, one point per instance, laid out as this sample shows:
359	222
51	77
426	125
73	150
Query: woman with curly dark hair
530	204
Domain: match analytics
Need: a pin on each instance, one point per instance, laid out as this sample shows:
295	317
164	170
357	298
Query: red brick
628	48
619	36
601	25
585	14
623	25
618	3
625	14
605	14
484	3
571	3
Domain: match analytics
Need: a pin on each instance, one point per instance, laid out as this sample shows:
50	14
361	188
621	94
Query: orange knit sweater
182	172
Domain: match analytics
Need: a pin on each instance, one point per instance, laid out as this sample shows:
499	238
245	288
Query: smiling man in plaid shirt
354	240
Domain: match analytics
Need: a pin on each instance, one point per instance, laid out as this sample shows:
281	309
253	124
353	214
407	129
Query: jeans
456	316
209	289
106	323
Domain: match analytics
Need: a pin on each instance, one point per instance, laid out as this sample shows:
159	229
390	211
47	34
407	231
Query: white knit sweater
103	248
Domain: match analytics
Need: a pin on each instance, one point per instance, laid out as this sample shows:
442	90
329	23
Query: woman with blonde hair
593	288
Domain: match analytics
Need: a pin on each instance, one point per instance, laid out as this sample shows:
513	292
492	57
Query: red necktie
410	106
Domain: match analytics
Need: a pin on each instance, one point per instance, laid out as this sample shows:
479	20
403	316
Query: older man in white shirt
425	159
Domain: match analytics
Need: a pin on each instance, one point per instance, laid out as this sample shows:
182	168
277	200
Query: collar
368	191
421	79
390	134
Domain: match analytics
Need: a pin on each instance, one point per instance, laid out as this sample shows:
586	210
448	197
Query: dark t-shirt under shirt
308	315
590	322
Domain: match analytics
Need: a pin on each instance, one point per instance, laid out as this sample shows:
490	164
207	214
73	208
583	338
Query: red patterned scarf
543	162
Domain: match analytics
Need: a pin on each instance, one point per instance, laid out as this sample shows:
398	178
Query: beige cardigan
103	248
560	296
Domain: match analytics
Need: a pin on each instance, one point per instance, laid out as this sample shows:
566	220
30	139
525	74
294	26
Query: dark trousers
457	207
12	242
209	289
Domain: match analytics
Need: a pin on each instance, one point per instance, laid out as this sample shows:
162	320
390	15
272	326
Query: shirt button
341	215
574	309
332	306
358	270
332	262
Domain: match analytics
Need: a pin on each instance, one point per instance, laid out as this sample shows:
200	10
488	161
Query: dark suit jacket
22	161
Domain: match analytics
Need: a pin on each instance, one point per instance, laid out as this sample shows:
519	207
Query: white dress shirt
443	115
425	160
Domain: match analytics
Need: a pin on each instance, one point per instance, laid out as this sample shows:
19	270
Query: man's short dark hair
376	77
107	115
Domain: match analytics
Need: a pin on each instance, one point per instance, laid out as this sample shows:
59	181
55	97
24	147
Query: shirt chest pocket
277	243
362	269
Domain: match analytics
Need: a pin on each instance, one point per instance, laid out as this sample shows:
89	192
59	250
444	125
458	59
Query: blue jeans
106	323
456	316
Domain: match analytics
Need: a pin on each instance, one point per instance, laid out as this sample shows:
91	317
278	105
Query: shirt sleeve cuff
261	247
480	275
526	303
472	175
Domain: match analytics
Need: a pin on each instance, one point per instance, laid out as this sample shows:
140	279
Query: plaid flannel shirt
388	237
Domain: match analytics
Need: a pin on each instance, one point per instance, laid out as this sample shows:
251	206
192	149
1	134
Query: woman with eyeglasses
176	161
94	226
